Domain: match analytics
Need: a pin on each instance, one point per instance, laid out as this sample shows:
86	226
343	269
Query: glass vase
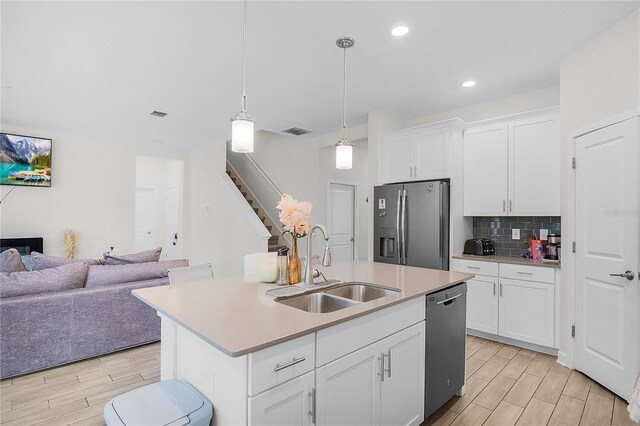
295	269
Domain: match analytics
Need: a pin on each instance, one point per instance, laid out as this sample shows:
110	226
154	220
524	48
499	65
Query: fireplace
24	245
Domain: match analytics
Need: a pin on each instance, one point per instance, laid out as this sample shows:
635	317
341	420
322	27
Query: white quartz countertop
235	316
508	259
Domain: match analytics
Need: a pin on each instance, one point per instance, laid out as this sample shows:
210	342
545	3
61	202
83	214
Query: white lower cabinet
527	311
382	383
290	403
482	304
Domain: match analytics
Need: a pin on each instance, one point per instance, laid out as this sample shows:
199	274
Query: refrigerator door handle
403	226
398	244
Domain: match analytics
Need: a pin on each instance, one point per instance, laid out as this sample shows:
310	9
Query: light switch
515	234
544	233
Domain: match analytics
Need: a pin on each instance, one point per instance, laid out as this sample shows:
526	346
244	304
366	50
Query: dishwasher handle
447	302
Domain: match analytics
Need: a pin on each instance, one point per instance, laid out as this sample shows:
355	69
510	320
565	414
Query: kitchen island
262	362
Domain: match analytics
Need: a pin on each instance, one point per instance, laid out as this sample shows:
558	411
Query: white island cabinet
261	362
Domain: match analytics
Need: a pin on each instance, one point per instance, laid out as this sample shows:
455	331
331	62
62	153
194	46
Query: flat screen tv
25	160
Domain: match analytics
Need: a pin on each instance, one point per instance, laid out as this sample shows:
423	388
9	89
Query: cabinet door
534	166
431	155
348	389
527	311
287	404
397	158
485	170
402	393
482	304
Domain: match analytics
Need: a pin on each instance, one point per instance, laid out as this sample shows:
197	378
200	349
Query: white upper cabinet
534	166
419	153
485	170
512	168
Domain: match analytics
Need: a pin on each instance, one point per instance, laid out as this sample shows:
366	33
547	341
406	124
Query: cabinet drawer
477	267
526	272
280	363
342	339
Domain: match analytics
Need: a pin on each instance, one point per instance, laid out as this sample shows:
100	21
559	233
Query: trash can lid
165	402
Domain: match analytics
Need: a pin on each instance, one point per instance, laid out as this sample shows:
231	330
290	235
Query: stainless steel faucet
326	258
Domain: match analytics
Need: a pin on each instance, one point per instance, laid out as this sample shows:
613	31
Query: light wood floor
508	386
505	386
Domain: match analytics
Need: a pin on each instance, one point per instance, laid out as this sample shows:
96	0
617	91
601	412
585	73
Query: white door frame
566	354
356	211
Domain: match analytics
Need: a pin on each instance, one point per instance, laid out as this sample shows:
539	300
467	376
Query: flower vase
295	269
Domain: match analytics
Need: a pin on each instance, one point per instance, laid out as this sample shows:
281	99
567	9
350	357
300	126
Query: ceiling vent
296	131
159	114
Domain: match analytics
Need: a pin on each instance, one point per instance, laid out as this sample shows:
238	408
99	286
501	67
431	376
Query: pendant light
242	123
344	148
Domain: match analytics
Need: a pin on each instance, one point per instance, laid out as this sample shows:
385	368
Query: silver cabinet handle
389	363
382	370
500	289
626	274
473	267
449	299
510	205
524	273
294	361
494	289
504	206
312	412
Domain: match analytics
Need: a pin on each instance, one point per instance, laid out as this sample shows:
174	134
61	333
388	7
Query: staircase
276	241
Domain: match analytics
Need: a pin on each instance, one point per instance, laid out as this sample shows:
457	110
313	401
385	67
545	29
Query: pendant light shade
344	156
242	123
344	148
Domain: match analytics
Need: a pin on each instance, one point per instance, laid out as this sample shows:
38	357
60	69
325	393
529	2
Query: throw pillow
41	261
63	277
11	261
100	275
142	257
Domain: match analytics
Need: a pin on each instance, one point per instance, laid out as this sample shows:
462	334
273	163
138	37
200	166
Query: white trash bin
167	402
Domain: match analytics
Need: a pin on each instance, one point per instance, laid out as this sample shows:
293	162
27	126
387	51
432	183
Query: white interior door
341	221
607	243
173	239
145	218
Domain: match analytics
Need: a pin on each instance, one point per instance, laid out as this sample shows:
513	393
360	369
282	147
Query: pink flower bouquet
294	215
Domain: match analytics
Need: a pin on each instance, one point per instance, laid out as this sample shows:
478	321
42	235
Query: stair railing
264	175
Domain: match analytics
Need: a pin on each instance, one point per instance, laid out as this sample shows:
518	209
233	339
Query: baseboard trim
513	342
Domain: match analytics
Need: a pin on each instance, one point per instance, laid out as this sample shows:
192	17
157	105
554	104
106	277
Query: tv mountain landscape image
25	160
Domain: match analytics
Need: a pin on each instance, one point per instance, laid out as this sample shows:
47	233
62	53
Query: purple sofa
53	327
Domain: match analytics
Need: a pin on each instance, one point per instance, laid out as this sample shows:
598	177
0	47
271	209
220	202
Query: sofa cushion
65	277
11	261
142	257
42	261
100	275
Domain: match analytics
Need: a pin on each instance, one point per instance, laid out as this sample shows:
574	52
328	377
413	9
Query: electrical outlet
515	234
544	233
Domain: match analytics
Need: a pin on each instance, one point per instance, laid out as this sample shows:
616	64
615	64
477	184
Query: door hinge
573	163
573	247
573	331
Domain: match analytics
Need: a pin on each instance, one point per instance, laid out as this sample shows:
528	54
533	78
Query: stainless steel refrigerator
411	224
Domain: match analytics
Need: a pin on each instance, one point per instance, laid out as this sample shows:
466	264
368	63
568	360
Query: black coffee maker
553	247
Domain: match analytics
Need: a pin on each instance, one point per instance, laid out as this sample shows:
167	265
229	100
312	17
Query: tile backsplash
499	229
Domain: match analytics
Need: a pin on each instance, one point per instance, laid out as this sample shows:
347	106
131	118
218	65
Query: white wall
93	193
598	81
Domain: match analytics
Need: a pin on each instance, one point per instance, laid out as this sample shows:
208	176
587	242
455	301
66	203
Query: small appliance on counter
479	247
553	247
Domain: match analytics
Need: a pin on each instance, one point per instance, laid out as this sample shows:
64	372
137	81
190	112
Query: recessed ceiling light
400	31
469	83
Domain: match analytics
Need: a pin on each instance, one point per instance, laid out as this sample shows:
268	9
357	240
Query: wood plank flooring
505	386
512	386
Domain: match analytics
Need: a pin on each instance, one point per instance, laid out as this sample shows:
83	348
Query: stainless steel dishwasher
445	346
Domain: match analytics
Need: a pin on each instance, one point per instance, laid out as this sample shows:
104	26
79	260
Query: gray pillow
11	261
100	275
142	257
41	261
63	277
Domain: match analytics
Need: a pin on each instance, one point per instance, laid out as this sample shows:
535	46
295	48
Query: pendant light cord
344	100
244	48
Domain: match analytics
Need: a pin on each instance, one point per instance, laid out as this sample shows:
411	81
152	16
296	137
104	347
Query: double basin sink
336	297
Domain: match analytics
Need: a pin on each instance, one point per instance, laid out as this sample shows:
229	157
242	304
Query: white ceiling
100	68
